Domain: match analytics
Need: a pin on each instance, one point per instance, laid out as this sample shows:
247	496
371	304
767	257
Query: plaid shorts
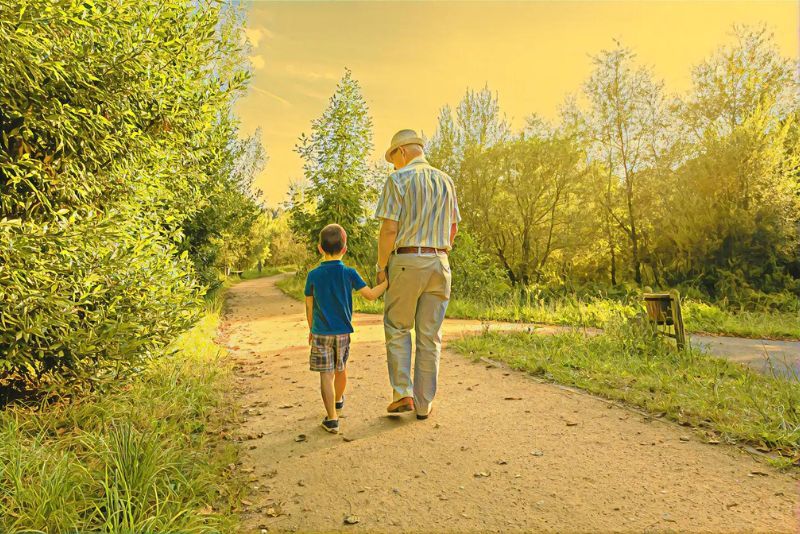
329	353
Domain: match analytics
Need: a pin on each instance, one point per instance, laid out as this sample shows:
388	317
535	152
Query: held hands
381	277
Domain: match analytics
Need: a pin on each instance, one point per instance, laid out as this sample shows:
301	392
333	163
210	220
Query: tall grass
595	312
145	456
628	363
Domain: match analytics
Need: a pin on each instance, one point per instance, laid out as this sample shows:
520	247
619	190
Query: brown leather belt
419	250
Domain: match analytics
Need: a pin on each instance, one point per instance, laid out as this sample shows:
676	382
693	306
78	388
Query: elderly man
419	213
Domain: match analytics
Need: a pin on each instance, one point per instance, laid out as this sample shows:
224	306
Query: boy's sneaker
340	404
330	425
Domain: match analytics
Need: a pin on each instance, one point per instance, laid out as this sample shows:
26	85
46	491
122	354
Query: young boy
329	309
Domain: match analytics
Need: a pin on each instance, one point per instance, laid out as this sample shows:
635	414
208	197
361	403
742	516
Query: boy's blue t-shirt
332	284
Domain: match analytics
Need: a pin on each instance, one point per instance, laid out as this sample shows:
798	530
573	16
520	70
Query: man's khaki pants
417	297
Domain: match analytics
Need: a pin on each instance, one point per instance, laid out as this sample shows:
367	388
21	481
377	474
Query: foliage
625	129
92	307
284	246
145	456
698	190
115	132
591	307
231	231
340	184
475	274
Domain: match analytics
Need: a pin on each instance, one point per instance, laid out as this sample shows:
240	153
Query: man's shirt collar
419	159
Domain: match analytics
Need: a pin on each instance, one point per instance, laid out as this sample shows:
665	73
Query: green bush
115	132
87	299
476	276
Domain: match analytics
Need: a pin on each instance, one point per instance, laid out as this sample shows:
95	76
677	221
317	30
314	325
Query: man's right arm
386	241
388	211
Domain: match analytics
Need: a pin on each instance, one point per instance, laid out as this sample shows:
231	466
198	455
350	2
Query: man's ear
319	247
344	250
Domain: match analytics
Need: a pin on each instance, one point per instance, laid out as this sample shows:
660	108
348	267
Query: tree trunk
613	251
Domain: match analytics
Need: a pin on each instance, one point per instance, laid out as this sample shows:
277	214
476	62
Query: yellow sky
413	57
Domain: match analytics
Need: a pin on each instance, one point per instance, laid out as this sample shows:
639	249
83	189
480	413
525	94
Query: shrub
115	130
87	298
476	276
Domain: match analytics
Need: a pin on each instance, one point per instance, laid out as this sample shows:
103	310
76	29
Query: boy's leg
327	389
339	383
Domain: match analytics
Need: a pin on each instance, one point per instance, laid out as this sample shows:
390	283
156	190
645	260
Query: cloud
310	73
271	95
317	95
256	35
257	61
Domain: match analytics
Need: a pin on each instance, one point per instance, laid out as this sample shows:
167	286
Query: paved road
764	355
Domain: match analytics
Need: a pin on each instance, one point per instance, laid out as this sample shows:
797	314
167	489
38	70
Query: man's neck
417	157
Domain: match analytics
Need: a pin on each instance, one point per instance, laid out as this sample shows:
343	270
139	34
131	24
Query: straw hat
401	138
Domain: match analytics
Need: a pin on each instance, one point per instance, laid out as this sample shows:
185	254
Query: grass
698	316
146	456
627	363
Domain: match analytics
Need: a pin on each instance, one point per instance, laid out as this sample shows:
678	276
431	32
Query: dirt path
551	460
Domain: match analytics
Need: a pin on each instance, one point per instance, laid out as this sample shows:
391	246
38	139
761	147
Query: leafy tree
476	275
339	181
625	126
734	212
515	192
284	246
230	230
701	191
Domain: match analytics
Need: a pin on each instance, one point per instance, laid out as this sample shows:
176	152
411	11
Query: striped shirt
422	199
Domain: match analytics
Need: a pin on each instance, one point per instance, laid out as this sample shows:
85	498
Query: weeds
597	311
145	456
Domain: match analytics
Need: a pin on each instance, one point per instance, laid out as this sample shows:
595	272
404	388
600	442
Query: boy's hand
309	337
381	277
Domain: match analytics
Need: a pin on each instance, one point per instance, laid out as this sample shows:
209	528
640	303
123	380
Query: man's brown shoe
406	404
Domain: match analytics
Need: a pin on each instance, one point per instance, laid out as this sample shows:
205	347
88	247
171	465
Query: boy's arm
372	293
309	315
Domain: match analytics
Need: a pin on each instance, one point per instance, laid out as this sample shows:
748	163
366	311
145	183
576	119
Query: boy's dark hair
332	239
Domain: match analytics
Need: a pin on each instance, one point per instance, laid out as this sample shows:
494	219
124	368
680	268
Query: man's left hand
381	277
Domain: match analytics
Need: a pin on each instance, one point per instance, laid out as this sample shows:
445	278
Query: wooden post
677	319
